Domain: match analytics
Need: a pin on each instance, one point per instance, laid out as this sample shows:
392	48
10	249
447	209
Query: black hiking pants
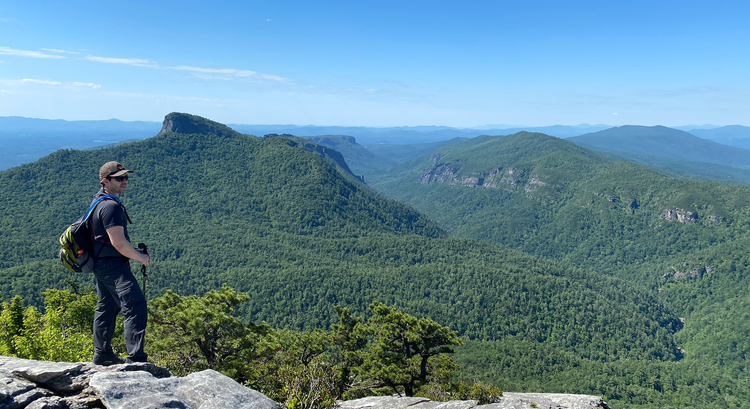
118	290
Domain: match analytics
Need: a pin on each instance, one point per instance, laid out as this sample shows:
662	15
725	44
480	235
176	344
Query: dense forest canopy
278	219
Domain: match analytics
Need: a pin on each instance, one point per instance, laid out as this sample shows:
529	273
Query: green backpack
77	244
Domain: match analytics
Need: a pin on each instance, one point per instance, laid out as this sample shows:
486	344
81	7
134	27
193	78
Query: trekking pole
144	249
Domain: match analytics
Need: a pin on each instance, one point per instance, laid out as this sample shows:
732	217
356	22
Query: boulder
61	385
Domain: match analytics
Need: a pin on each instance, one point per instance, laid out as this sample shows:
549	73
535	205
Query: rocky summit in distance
178	122
28	384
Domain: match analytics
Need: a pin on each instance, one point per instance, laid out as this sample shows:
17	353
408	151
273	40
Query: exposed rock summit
192	124
60	385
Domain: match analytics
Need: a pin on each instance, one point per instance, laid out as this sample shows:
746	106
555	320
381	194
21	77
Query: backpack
77	244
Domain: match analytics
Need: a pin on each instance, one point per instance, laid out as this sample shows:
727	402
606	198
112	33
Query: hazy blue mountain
360	160
24	140
663	141
683	169
403	153
49	135
22	124
734	135
404	135
688	128
559	131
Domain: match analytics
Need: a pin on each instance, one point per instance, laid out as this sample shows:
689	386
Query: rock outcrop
496	179
509	400
331	155
192	124
60	385
682	216
28	384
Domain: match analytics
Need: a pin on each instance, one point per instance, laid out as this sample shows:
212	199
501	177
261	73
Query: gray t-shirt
108	213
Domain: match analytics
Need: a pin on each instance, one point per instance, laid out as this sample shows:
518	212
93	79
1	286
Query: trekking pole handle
144	249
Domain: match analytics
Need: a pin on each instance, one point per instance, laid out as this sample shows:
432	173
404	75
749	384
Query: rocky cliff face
60	385
498	178
192	124
331	155
682	216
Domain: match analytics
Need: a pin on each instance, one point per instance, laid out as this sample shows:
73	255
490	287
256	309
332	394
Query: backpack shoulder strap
93	205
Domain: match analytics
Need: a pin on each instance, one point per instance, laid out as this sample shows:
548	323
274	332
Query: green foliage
562	201
62	333
529	367
189	334
402	348
304	377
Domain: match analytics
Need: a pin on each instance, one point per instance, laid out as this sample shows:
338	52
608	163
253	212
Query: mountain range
561	267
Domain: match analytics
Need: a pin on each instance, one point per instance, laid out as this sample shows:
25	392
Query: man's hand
122	245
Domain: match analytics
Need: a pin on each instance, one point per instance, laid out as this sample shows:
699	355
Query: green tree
11	325
349	335
62	333
402	348
193	333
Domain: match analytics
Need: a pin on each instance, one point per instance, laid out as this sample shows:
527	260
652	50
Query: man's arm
122	245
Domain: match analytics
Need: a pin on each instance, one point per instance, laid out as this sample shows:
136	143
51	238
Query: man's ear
104	181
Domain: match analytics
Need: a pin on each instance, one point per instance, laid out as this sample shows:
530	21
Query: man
116	287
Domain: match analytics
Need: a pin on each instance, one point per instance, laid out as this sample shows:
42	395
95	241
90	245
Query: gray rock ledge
509	400
32	384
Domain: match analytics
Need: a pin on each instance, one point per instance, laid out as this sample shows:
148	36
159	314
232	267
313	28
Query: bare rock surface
509	400
32	384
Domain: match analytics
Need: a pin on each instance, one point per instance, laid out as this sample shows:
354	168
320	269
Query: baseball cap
112	169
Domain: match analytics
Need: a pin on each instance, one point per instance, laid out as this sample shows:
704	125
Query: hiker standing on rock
116	287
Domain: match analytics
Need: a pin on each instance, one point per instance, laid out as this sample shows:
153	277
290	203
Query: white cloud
26	53
53	50
86	84
229	73
57	83
159	97
43	82
138	62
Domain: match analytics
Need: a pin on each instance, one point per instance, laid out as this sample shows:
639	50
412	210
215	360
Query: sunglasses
119	178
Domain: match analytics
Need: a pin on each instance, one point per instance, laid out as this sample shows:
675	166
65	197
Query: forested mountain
404	152
546	196
278	221
271	218
662	141
733	135
360	160
681	168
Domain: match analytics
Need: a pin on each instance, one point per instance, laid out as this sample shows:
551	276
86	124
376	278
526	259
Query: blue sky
384	63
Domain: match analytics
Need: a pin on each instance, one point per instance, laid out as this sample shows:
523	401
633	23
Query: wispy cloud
53	50
230	73
162	96
86	84
27	53
138	62
58	83
43	82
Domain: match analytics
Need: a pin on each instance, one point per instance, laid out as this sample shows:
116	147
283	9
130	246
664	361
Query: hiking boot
107	359
135	360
